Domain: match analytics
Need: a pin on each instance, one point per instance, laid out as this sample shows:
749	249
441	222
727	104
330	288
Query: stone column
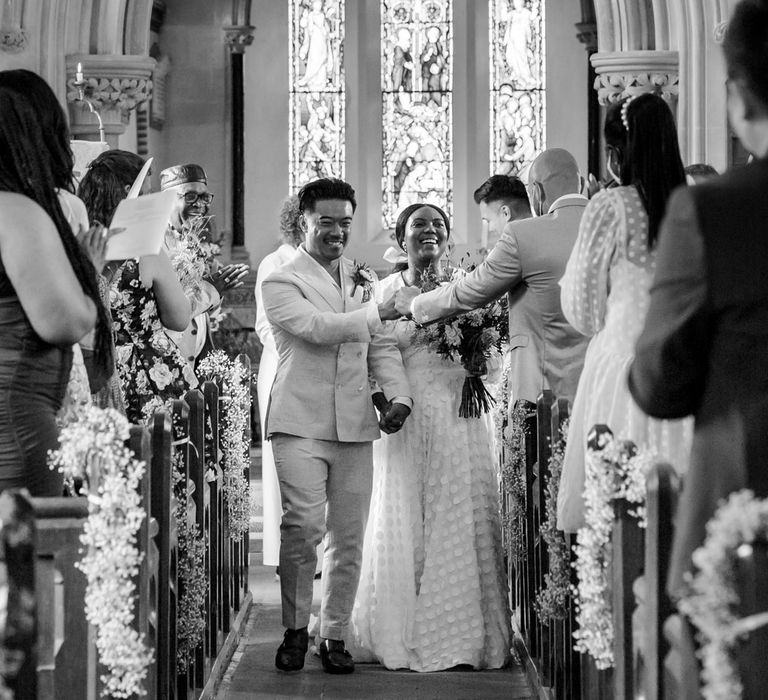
240	301
238	38
628	73
115	85
587	35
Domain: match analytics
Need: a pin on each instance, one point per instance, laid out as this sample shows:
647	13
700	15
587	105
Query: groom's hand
387	311
394	417
403	299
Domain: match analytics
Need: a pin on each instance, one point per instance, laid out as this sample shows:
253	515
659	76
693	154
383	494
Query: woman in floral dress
145	296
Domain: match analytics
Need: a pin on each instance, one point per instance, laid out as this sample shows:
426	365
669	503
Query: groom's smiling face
327	229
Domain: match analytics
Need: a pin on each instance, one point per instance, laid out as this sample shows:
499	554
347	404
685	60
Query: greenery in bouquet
193	254
470	339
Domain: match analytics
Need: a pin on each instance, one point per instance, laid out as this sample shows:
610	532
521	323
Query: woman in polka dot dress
605	291
433	591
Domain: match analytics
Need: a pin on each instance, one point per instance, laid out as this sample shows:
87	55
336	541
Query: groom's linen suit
527	263
322	422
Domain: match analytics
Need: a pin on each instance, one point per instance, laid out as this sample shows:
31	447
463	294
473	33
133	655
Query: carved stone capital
586	33
114	85
239	38
630	73
13	40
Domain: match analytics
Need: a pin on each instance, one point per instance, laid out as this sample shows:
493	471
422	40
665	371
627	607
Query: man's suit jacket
704	347
328	344
527	263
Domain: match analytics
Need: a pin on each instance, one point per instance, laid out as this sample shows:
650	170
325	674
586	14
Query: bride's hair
402	220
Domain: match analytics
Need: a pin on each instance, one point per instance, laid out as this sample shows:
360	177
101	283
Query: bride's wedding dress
433	591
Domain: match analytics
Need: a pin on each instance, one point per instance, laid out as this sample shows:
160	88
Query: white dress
605	294
433	590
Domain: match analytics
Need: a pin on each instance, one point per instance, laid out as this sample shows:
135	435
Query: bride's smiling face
426	235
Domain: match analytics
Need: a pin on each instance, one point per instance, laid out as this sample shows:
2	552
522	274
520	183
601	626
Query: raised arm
287	308
669	371
498	274
173	307
39	270
586	283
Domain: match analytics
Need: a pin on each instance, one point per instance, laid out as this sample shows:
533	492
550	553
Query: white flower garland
236	403
552	600
711	597
612	472
95	447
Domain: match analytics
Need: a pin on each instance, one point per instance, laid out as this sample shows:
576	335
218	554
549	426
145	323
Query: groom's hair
502	188
746	48
325	188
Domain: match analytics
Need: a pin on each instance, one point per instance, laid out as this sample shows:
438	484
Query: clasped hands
392	415
399	304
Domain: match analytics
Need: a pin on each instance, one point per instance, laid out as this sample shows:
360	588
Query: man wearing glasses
189	218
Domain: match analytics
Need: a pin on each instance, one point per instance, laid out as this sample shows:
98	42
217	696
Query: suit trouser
313	473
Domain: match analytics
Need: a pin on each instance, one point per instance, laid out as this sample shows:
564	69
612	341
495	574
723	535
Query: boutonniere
362	277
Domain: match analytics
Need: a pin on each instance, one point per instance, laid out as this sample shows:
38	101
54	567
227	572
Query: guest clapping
49	296
605	290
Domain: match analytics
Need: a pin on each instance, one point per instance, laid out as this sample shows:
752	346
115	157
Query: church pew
540	563
653	604
751	571
201	498
216	542
163	504
18	633
528	575
66	659
146	613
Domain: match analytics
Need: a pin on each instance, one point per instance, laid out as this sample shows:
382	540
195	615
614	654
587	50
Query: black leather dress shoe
335	658
290	654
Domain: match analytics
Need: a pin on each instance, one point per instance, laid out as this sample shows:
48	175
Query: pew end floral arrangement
711	600
615	469
93	450
471	339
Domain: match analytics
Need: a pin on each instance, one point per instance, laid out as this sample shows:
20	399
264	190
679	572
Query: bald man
527	264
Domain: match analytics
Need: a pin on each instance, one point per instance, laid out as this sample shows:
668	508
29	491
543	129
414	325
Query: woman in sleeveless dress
48	289
433	592
605	292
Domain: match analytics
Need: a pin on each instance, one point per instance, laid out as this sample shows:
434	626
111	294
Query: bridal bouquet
192	254
470	339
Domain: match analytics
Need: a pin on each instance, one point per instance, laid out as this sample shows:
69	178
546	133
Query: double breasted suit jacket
527	263
328	343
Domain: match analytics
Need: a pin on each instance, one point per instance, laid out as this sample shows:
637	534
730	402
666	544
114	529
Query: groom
330	338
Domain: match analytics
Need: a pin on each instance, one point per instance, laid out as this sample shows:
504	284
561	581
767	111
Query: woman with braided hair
49	295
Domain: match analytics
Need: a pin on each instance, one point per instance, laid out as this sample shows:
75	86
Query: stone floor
253	676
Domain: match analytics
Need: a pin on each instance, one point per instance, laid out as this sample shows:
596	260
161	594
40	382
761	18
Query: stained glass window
517	84
416	83
316	61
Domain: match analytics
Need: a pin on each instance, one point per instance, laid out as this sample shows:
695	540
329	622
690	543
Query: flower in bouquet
192	253
470	339
363	277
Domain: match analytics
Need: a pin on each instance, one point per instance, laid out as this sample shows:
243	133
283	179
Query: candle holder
81	85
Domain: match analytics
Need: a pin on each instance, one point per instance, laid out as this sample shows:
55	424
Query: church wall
197	109
567	70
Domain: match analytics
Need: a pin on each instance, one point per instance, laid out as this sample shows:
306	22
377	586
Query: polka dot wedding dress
605	294
432	591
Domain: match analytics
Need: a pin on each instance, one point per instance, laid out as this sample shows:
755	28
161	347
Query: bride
432	591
